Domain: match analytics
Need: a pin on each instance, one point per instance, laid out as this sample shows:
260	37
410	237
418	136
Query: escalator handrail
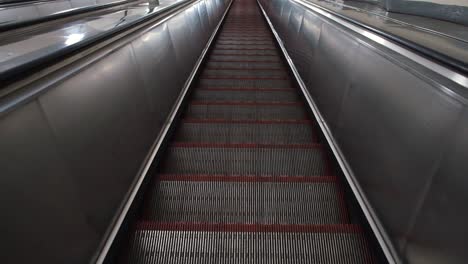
58	15
454	65
13	74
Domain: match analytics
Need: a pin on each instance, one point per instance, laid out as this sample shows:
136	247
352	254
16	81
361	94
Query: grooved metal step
187	199
246	65
224	52
250	83
246	159
170	243
241	58
242	43
261	73
246	111
225	131
245	47
245	96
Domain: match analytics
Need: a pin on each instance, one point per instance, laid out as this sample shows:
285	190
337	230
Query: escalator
245	178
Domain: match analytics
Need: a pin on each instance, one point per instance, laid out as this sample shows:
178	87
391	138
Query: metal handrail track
14	74
59	15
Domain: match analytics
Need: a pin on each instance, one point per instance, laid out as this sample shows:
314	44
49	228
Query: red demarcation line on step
243	103
245	145
243	44
208	77
245	32
251	49
243	35
220	38
248	89
249	54
234	28
246	61
243	69
246	178
264	228
238	121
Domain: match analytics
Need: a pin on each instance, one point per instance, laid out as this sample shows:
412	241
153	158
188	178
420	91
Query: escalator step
235	243
293	111
239	52
243	43
246	159
261	73
242	58
245	96
245	47
242	131
259	83
245	65
221	199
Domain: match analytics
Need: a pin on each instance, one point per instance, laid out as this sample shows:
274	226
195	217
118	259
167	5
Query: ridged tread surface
245	179
243	111
225	131
187	199
245	159
163	243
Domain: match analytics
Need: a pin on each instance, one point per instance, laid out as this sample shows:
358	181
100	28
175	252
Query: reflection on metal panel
450	10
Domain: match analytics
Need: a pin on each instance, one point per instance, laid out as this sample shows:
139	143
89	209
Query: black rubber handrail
455	64
62	14
18	72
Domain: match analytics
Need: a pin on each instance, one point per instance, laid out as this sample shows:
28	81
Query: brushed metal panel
210	14
53	7
332	70
100	119
284	19
13	14
440	231
393	130
157	68
179	33
293	45
197	38
306	48
43	214
205	23
277	6
82	3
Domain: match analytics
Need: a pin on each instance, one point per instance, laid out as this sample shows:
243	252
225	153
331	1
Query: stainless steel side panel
43	217
401	126
331	72
439	233
101	122
306	48
179	31
197	37
205	23
161	84
393	128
